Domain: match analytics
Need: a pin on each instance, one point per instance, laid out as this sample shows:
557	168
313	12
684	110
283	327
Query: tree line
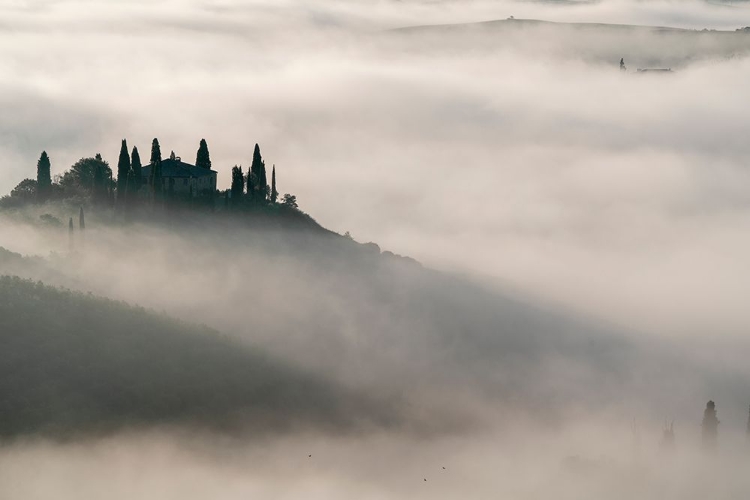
92	179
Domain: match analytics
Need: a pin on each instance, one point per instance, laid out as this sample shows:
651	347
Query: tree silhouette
123	168
290	200
81	221
156	180
259	191
137	169
622	64
203	159
25	190
274	192
101	177
81	174
70	233
710	426
238	184
43	177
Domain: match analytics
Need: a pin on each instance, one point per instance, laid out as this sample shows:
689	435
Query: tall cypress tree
43	177
238	184
156	166
81	221
203	159
135	162
123	168
260	184
274	193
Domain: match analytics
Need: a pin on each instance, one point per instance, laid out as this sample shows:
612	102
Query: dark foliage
274	192
290	200
238	184
43	177
123	169
257	190
203	159
135	160
26	189
50	220
91	176
156	178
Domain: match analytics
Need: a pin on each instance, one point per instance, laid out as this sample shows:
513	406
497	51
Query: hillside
640	46
72	364
380	325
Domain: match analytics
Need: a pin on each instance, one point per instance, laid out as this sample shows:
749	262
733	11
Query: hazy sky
531	159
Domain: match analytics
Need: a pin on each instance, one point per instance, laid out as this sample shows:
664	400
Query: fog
587	226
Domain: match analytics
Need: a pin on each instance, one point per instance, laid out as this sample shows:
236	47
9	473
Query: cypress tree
203	159
252	182
260	185
156	166
238	184
274	193
70	233
123	168
43	177
81	221
135	161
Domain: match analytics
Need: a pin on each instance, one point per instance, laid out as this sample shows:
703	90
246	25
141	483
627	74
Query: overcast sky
531	160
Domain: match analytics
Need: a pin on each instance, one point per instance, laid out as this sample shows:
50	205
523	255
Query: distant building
179	177
655	70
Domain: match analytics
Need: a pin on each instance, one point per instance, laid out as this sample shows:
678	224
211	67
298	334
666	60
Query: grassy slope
71	362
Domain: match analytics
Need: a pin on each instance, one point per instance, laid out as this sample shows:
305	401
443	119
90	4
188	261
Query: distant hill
74	364
438	352
641	46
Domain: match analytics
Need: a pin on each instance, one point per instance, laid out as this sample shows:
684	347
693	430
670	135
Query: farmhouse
183	178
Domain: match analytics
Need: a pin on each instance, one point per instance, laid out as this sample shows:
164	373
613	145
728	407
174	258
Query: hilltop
641	46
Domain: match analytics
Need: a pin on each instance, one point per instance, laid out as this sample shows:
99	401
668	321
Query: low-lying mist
454	354
579	234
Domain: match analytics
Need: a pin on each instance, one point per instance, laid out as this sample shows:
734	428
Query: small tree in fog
709	426
667	440
70	233
81	221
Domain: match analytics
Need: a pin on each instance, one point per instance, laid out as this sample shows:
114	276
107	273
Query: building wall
200	184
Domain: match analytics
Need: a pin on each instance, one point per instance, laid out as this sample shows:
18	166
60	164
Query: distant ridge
539	22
